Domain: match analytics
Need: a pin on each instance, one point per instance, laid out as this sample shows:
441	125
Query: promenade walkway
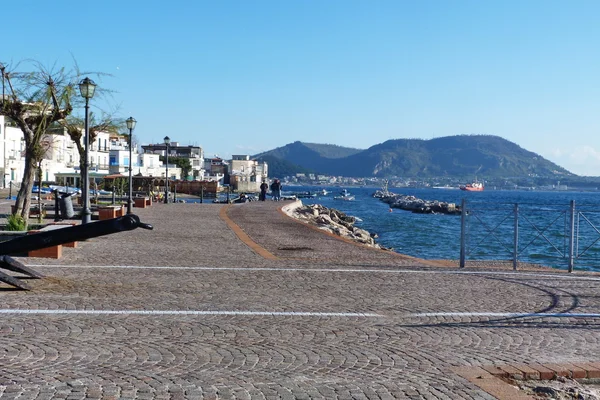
242	302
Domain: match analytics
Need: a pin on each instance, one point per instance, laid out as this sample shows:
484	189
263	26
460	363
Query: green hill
451	156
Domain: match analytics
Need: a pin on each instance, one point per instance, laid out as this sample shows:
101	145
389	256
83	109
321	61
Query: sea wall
331	220
416	205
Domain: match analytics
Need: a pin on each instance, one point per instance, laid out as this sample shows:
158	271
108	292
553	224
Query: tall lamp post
131	126
86	88
167	142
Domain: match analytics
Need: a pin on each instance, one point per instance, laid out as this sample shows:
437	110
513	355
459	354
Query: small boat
305	195
324	192
344	195
472	187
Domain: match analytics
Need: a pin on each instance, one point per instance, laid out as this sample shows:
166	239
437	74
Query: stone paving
191	310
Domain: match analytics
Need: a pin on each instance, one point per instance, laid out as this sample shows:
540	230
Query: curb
494	379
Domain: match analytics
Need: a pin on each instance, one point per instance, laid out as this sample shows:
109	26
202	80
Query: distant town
520	183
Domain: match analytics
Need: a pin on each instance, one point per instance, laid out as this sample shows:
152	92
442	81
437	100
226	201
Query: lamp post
86	88
131	126
167	142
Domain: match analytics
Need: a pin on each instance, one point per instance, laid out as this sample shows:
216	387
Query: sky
242	77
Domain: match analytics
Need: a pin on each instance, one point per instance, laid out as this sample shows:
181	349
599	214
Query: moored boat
344	195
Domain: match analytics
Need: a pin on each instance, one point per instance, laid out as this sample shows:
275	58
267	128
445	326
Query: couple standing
275	190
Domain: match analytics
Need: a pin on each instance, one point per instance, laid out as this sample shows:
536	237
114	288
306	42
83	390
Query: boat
324	192
305	195
472	187
344	195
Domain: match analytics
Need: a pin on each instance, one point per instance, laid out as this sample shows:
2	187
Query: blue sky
241	77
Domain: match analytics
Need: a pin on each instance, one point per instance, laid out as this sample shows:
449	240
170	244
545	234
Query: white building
108	154
246	175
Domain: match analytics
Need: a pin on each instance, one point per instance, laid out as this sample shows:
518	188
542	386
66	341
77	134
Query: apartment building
194	154
108	154
246	175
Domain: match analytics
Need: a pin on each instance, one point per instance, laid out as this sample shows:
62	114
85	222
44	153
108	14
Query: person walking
263	191
276	190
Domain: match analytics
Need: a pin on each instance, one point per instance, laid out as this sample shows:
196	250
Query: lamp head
87	87
130	123
167	140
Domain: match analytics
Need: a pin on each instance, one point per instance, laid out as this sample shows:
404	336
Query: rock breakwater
416	205
331	220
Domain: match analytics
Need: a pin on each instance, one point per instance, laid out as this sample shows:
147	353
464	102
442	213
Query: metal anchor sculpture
55	237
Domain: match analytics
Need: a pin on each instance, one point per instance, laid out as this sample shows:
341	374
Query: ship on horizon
472	187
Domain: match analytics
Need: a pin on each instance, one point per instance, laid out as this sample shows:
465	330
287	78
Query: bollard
202	195
56	208
114	196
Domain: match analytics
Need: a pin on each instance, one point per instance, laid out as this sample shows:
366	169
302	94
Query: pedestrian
276	190
263	191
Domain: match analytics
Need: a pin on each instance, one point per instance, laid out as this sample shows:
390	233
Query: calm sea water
544	223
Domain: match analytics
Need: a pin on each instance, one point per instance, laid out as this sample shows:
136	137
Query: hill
451	156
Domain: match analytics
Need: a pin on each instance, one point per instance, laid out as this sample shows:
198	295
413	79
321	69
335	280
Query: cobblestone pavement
191	311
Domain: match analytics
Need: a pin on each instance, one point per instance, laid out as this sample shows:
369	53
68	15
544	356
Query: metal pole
129	198
10	190
516	238
463	234
572	238
167	176
56	207
175	192
114	196
202	194
86	215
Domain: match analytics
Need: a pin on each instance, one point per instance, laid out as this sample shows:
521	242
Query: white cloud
581	160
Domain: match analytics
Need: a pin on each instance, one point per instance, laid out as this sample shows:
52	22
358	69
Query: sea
541	231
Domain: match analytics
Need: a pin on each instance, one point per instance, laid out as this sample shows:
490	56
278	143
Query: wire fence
561	236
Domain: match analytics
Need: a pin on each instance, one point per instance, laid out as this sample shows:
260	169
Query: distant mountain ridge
449	156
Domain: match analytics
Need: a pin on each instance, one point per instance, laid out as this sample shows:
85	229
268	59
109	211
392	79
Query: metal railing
554	235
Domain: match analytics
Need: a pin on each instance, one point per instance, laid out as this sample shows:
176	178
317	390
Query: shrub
16	223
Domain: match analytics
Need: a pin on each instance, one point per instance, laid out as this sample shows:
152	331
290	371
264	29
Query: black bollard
114	196
202	194
56	208
175	194
10	190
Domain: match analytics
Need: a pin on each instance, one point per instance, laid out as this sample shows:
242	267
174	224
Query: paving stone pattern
193	260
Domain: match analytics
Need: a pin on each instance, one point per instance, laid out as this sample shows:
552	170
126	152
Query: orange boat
472	187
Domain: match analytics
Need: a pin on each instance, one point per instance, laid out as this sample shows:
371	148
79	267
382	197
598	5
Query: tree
75	127
35	101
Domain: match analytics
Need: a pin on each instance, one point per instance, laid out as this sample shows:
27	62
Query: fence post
463	234
516	238
572	237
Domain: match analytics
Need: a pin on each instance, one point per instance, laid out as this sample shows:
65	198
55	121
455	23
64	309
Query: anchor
55	237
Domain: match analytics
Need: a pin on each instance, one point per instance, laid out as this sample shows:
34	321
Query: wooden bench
33	210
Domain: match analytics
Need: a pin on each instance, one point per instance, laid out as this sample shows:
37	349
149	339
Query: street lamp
167	142
131	126
86	88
